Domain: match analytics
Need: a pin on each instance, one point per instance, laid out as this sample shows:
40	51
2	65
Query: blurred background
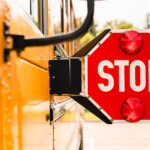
114	14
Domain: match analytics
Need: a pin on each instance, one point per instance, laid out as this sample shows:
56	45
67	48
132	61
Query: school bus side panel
24	90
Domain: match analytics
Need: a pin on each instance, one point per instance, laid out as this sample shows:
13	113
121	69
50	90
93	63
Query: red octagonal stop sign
118	75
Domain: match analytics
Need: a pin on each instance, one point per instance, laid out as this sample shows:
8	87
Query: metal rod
64	37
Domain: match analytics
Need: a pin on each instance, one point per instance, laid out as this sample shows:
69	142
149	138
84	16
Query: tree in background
90	35
93	29
147	21
115	24
86	39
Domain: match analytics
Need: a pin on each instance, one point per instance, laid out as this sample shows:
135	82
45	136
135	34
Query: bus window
25	4
34	11
31	7
57	15
43	16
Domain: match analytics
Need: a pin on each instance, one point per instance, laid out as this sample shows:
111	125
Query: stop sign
117	75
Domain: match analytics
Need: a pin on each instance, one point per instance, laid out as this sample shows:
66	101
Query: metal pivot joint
65	78
13	42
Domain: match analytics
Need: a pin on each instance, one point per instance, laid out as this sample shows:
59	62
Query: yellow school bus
31	117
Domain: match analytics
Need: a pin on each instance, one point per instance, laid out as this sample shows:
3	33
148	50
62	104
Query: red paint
111	101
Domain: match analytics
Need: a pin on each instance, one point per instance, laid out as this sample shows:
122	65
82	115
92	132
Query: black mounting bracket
86	103
13	42
65	76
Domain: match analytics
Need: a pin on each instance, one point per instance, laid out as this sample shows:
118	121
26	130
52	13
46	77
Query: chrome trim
58	109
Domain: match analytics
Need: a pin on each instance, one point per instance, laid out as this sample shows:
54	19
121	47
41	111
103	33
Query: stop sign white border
86	71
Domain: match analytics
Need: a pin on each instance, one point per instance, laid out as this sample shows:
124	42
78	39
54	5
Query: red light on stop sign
131	42
132	109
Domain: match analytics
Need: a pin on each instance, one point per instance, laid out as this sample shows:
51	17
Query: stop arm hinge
13	42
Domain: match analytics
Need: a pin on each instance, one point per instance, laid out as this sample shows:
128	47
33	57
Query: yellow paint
24	86
22	24
33	82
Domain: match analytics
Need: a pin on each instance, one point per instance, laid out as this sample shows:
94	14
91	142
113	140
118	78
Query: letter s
105	76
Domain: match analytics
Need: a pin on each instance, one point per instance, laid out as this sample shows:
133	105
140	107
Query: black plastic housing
65	76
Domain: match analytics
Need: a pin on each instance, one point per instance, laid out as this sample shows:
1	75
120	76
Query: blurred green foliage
115	24
86	39
147	21
93	29
90	35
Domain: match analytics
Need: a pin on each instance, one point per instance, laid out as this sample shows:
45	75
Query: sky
132	11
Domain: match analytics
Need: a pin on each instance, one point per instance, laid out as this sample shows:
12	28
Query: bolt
3	82
111	120
6	85
9	144
9	97
6	27
6	133
8	40
9	120
9	74
47	117
8	63
6	109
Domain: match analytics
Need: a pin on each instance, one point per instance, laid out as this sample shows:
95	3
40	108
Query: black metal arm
64	37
